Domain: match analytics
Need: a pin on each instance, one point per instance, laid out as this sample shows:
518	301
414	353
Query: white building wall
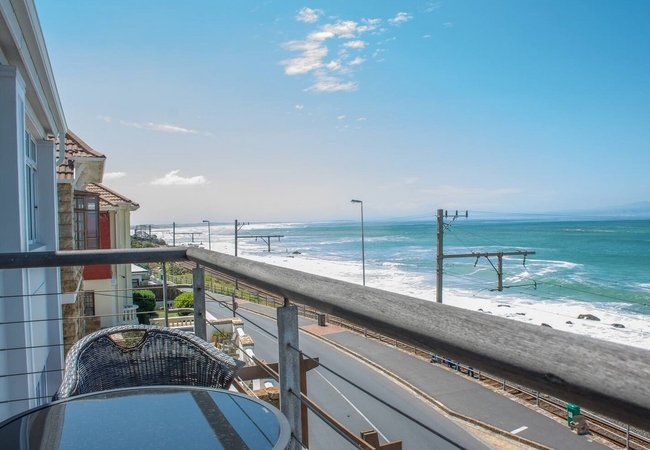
107	302
27	295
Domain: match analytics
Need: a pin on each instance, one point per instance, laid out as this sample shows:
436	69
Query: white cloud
165	127
326	83
309	15
432	6
448	24
333	65
355	44
340	118
105	118
361	119
333	75
299	106
172	179
320	35
368	25
342	28
400	18
426	36
113	175
310	59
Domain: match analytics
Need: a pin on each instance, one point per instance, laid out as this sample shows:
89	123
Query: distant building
31	119
139	275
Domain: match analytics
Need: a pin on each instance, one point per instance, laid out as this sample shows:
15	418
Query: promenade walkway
457	392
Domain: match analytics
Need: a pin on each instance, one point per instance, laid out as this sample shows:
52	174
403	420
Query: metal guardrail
598	375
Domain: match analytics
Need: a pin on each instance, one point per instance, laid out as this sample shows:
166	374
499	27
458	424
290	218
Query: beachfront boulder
588	317
618	325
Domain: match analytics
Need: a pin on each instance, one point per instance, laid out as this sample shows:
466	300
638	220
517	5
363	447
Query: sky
284	111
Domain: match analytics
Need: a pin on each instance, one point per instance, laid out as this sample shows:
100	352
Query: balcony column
289	365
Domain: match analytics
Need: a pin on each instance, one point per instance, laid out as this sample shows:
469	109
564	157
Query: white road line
351	404
518	430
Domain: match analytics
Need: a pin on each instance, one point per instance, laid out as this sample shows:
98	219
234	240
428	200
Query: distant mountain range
638	210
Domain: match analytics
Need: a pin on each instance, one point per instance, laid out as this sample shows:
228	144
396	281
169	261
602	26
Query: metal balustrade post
198	283
289	365
165	306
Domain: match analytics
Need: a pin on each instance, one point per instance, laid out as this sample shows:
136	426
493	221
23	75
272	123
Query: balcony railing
600	376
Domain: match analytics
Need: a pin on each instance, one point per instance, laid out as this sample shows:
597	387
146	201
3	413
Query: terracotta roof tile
75	148
109	198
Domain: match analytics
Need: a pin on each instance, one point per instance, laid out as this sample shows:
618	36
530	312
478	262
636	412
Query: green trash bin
571	411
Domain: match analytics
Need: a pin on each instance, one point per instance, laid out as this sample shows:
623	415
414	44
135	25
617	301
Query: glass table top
150	417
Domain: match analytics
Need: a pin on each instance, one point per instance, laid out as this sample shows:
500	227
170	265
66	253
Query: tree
184	300
146	301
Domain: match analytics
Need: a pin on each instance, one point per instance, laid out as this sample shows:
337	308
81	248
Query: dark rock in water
588	317
296	253
618	325
521	314
505	306
569	322
546	325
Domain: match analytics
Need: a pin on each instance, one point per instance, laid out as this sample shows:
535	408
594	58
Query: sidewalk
457	392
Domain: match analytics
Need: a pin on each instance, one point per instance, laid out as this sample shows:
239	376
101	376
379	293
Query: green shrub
146	301
184	300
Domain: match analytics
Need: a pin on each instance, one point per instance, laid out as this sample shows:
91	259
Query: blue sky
284	111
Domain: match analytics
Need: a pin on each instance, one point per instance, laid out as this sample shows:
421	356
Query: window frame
82	217
31	188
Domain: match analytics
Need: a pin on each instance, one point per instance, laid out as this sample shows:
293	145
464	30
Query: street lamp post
209	240
363	250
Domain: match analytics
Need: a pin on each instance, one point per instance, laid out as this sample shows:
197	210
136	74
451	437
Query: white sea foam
557	314
389	276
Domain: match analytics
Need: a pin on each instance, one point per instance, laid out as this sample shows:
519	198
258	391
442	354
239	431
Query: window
31	188
86	221
89	303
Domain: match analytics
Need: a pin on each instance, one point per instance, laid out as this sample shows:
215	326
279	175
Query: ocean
597	267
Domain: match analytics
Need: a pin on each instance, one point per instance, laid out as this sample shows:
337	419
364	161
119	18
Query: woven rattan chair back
141	355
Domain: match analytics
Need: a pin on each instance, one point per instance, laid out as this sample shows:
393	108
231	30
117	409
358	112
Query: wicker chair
141	355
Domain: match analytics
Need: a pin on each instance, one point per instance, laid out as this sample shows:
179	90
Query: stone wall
73	321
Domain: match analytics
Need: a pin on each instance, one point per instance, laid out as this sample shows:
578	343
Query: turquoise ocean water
598	266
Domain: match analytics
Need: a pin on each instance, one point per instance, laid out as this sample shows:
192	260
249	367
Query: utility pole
238	226
440	256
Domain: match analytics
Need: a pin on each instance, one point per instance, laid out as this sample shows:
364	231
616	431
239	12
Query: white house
30	114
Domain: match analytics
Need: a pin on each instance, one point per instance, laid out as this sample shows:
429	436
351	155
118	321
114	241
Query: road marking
518	430
352	404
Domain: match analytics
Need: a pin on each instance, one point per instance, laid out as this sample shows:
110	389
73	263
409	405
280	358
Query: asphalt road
398	415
